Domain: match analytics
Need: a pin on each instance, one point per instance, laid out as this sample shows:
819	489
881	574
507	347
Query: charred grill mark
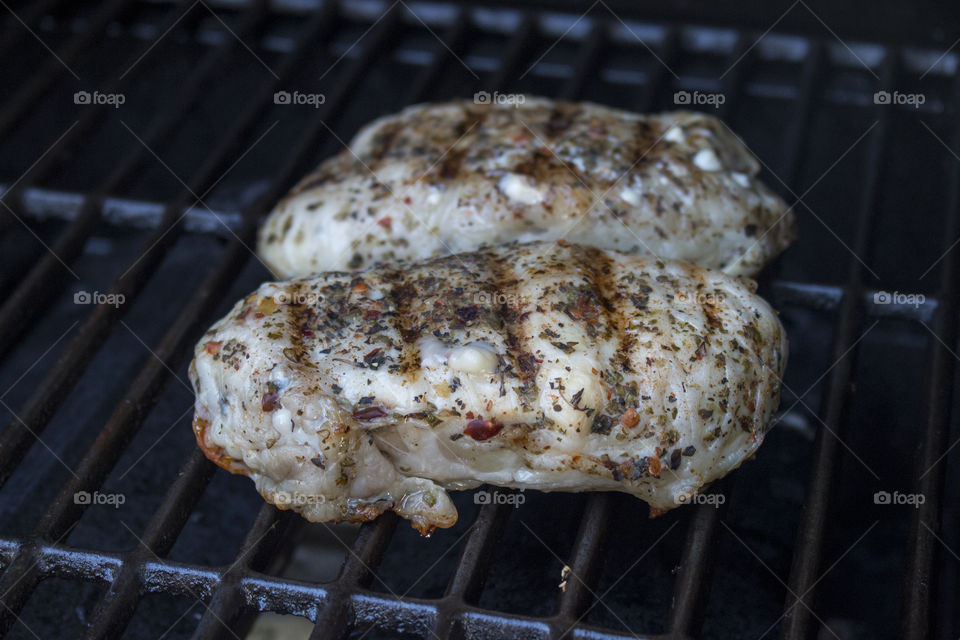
644	140
452	162
600	267
521	363
473	120
624	336
300	318
383	143
561	118
401	294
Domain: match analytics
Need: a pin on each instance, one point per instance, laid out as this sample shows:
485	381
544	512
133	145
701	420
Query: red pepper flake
407	200
751	405
563	243
212	347
360	286
370	314
270	401
654	466
481	430
369	413
373	354
470	415
630	418
386	223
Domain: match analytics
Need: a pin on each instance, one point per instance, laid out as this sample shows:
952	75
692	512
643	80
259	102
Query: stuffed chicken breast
544	366
445	178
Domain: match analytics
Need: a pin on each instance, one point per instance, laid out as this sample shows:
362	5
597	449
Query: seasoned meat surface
545	366
445	178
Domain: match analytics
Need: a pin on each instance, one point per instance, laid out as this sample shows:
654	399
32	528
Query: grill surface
155	202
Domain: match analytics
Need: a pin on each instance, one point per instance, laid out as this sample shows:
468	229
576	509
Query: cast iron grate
805	103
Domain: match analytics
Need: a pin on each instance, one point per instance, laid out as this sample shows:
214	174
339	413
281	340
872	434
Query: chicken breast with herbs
543	366
452	177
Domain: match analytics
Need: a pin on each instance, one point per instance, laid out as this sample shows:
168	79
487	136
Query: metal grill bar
585	564
20	577
587	557
13	198
227	604
692	587
234	591
810	86
805	568
289	596
118	604
517	51
465	586
334	622
920	572
695	576
276	594
38	289
54	67
473	565
40	285
587	61
335	619
455	39
16	30
62	377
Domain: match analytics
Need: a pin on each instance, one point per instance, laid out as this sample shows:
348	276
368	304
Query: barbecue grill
142	142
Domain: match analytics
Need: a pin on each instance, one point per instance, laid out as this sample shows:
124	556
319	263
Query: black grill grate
789	94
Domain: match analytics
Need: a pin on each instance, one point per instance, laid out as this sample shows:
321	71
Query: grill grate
813	75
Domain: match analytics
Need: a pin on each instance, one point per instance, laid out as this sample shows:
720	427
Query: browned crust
214	453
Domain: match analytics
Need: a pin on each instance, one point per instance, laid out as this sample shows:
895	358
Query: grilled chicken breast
544	366
446	178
